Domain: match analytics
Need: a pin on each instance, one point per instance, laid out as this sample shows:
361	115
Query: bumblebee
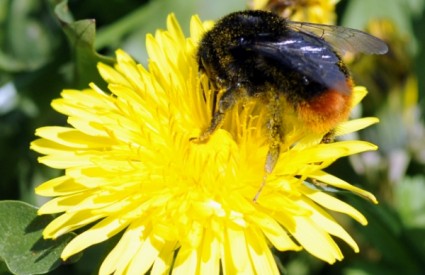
259	54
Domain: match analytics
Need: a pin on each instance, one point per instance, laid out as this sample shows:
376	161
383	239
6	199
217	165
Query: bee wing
315	61
343	39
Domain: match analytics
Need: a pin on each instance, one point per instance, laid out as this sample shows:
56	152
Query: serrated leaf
22	246
81	36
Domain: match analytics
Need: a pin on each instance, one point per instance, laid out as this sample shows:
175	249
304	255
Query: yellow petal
339	183
102	231
354	125
210	254
359	93
145	256
316	241
335	204
163	262
118	259
261	257
73	138
68	222
186	261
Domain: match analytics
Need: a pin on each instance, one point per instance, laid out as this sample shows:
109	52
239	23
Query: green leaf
129	31
386	234
409	202
81	36
367	268
22	246
26	41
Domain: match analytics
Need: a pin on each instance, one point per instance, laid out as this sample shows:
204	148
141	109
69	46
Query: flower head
130	167
300	10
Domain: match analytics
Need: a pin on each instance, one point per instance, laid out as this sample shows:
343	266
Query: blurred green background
42	53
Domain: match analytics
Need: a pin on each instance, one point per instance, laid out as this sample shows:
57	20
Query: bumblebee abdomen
325	111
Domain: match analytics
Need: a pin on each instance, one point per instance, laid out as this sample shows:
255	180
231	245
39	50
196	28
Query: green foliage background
47	45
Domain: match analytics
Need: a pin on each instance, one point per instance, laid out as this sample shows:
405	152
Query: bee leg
329	137
226	102
275	124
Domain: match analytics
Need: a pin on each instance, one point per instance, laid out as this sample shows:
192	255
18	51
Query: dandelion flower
184	207
313	11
